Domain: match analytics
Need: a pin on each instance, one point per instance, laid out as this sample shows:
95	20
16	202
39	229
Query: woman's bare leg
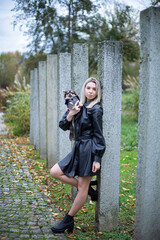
57	173
83	185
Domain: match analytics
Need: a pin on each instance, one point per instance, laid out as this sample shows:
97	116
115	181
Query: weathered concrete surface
110	74
32	92
79	73
148	169
3	129
42	76
36	110
52	110
64	80
79	66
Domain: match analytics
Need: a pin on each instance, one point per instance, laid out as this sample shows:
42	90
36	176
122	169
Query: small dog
71	98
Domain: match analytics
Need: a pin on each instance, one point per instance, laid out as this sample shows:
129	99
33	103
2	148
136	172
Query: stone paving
24	213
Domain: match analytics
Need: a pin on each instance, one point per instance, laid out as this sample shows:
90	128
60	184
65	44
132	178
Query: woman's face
90	91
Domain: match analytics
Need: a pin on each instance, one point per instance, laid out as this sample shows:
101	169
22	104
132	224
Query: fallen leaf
133	218
100	233
123	181
59	217
125	189
131	196
4	237
84	210
71	236
55	214
78	227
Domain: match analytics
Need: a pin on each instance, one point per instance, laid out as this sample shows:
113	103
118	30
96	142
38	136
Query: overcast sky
14	39
10	39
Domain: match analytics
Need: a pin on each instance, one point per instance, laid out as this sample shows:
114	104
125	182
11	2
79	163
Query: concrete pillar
64	80
148	168
32	106
79	66
79	73
52	110
110	74
42	109
36	110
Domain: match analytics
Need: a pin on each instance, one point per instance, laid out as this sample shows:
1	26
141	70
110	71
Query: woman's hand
73	111
96	166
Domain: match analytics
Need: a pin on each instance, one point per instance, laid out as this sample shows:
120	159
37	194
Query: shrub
9	63
7	93
18	113
131	83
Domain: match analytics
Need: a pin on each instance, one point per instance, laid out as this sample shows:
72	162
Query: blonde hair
97	99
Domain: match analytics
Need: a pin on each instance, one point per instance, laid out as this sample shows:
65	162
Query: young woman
85	158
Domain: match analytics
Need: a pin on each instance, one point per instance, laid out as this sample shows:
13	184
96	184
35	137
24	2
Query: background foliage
18	113
53	27
9	64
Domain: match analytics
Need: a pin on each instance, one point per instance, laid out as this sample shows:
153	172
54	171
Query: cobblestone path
24	213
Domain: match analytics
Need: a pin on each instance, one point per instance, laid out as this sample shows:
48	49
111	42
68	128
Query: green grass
129	134
130	104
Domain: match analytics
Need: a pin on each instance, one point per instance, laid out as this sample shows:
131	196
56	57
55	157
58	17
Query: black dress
89	144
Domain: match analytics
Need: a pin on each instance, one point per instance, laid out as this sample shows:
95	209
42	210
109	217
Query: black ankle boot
93	183
66	223
93	193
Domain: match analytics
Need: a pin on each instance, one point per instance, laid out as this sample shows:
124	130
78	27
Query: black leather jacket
89	142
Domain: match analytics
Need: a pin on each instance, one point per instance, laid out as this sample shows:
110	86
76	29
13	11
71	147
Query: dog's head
69	94
70	98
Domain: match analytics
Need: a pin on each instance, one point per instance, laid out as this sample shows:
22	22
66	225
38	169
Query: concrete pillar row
67	71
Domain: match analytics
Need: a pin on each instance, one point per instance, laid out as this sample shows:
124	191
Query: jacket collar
87	103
